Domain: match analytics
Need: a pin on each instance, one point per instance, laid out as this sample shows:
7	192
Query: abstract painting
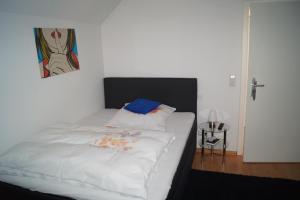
56	50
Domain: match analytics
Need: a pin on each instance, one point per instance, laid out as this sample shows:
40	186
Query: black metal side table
205	128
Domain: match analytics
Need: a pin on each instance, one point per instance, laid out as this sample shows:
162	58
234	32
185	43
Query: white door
272	131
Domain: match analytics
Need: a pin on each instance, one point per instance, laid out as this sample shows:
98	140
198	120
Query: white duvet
109	159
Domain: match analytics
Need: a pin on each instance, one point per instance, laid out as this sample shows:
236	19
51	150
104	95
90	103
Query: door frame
244	77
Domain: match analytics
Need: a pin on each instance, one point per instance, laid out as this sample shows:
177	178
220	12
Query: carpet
215	185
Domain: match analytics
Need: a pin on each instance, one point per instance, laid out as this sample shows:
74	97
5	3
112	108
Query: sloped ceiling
92	11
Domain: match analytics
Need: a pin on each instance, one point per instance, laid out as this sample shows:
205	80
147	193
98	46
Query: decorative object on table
212	118
56	50
212	140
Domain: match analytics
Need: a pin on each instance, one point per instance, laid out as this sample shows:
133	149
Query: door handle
254	85
257	85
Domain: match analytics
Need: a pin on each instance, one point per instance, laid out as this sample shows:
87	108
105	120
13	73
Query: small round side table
205	128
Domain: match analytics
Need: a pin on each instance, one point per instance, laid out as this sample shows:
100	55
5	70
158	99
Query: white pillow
154	120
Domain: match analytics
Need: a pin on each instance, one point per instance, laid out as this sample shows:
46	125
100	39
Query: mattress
159	181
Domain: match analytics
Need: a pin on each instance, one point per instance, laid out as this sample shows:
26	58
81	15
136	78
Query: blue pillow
142	106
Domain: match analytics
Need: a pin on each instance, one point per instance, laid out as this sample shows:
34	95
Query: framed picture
56	50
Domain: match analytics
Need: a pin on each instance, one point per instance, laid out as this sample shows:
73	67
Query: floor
234	164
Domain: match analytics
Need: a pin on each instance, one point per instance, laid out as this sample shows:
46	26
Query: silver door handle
257	85
254	85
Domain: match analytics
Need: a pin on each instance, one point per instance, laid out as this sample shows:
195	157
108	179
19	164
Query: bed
177	92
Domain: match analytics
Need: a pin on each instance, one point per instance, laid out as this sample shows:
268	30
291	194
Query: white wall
29	103
180	38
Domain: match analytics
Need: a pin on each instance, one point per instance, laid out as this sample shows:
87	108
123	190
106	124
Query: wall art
56	50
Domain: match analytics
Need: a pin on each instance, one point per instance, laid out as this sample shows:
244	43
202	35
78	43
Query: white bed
159	183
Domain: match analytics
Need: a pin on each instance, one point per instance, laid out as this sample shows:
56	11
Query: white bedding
93	187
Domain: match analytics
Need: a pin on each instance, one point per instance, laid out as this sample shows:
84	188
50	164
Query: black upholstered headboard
180	93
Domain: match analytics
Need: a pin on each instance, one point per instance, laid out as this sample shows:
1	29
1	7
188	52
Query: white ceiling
93	11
